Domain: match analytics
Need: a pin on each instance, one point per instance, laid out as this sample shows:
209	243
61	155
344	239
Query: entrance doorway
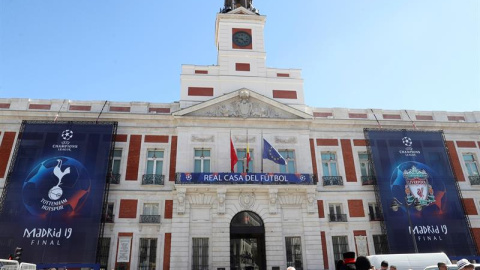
247	242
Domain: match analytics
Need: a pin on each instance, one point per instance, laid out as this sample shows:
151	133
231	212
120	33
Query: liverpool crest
417	187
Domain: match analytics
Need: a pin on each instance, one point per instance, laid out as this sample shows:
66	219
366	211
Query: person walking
363	263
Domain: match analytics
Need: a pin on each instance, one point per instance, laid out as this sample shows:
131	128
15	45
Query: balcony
149	218
108	218
474	180
332	181
338	217
244	178
375	217
153	179
115	178
368	180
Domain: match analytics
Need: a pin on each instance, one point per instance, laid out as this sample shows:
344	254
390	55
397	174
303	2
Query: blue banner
418	193
244	178
55	192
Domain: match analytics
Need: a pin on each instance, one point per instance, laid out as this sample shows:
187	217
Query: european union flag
271	153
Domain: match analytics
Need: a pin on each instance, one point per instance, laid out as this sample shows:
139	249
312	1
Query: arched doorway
247	242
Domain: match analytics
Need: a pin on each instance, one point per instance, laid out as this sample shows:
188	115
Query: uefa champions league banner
415	179
54	195
245	178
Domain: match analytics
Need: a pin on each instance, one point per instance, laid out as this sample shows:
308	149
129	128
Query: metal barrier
28	266
8	264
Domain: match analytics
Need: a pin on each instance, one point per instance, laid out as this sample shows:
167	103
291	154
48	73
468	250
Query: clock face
242	39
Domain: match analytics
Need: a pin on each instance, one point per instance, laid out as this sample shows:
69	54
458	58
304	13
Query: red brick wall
466	144
288	94
4	105
128	209
79	108
242	66
348	160
199	71
283	75
424	117
119	109
314	158
457	168
121	138
355	208
5	151
168	209
200	91
39	106
470	207
392	116
173	158
322	114
327	142
357	115
476	235
133	157
167	247
359	142
156	139
324	250
456	118
159	110
321	211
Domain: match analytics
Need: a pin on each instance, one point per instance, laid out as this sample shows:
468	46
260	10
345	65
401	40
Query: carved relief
286	140
181	202
221	201
200	138
273	194
243	139
311	202
247	200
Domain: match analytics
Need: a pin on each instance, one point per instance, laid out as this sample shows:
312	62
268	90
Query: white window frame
202	158
289	156
332	160
471	166
157	159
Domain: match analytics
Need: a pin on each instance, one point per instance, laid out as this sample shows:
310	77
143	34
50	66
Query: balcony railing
115	178
474	179
375	217
338	217
149	218
153	179
108	218
368	180
332	181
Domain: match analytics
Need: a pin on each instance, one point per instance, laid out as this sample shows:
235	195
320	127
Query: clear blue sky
386	54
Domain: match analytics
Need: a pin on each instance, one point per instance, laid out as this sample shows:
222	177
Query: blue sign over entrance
245	178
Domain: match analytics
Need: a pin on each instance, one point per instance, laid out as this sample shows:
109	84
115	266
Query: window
148	254
329	164
366	169
380	243
294	252
289	156
104	251
117	158
202	161
340	246
109	216
200	254
335	213
242	160
155	162
374	212
471	164
150	213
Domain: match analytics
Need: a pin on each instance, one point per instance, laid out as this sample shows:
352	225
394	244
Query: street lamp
396	204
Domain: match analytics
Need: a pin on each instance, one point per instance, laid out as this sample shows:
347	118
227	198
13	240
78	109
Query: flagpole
246	154
231	168
261	149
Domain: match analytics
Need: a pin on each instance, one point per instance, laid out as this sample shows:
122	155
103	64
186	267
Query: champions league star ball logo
56	185
407	141
67	134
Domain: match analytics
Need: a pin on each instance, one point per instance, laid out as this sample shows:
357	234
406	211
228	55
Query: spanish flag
247	154
233	156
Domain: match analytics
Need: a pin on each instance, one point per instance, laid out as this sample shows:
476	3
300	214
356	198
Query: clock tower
239	38
241	63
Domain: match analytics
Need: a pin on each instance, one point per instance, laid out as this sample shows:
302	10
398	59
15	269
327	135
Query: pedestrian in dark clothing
363	263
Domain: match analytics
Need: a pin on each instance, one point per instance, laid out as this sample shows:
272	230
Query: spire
233	4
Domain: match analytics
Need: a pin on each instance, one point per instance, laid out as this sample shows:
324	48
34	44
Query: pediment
241	10
243	103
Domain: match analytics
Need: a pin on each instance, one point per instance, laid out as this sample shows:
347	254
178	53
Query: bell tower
239	37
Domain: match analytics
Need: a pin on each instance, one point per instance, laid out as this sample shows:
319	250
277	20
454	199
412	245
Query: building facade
260	215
